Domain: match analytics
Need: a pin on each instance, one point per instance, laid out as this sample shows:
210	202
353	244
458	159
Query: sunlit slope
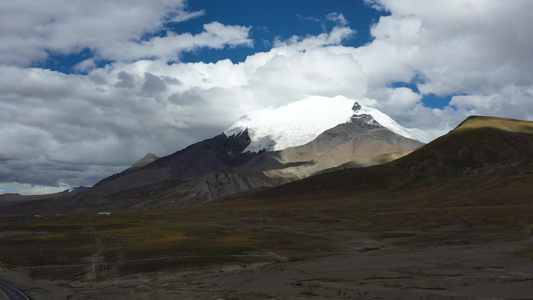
487	150
478	146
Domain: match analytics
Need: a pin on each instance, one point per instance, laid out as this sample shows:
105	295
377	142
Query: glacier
299	122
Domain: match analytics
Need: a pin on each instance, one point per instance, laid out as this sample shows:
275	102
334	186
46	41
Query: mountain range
482	159
265	148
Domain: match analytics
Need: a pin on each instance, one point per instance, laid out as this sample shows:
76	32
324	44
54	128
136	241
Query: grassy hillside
271	228
480	146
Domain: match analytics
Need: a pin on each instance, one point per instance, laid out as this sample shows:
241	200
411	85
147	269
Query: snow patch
297	123
385	121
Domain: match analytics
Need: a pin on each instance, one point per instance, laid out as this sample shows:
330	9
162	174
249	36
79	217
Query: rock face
361	141
210	187
194	161
300	122
150	157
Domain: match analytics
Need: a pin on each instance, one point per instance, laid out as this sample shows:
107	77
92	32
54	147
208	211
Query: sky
90	87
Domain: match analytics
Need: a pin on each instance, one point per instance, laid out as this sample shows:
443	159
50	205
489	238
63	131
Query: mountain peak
297	123
511	125
148	158
356	107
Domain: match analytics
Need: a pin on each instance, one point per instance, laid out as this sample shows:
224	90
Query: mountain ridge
217	167
354	141
299	122
477	151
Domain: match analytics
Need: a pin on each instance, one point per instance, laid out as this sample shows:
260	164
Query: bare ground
489	271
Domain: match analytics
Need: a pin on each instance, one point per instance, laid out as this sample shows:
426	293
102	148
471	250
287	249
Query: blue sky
89	87
268	20
279	19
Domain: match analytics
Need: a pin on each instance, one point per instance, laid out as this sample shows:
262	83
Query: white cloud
85	65
476	48
170	46
318	71
182	15
458	46
337	18
403	98
28	189
308	18
30	30
335	37
511	101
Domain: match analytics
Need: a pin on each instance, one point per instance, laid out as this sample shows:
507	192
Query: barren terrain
489	271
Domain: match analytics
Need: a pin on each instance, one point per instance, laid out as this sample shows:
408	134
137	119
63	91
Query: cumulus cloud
337	18
73	129
30	31
457	46
170	46
511	101
335	37
85	65
403	98
28	189
475	49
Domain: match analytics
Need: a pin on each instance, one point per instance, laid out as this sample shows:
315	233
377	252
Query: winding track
11	292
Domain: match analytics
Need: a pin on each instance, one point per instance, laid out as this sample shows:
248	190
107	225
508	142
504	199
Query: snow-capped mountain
297	123
299	140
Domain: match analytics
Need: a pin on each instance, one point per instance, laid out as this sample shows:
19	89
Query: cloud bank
62	130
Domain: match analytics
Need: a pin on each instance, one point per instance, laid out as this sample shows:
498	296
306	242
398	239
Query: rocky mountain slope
194	161
300	122
361	141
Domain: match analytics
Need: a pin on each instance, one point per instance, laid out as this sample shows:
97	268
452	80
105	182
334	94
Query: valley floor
486	271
